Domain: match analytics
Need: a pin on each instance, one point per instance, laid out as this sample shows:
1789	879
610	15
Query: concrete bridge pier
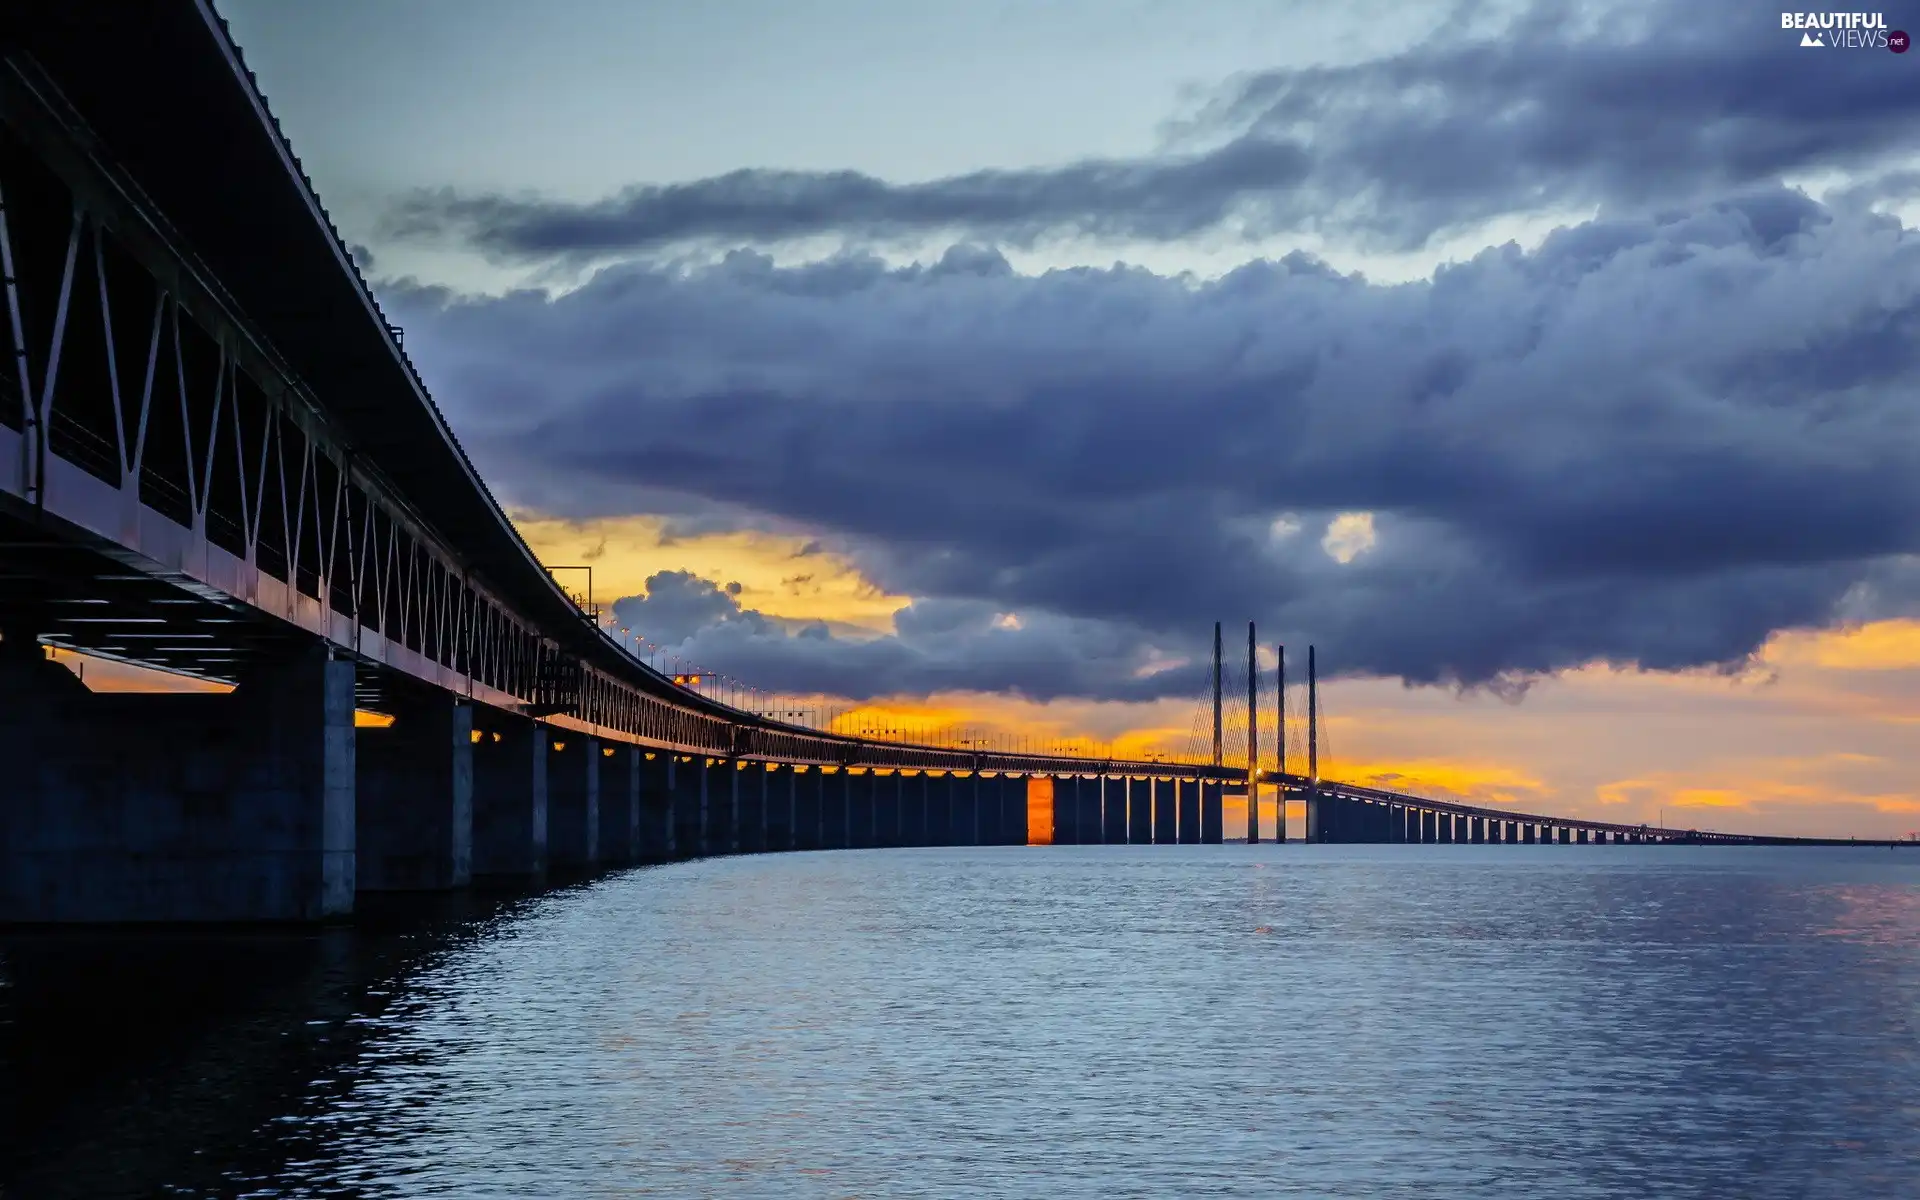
413	798
913	808
781	809
687	781
893	808
1092	809
940	809
1139	794
966	810
619	835
657	841
1187	806
863	809
723	807
1004	794
509	795
1066	811
835	810
807	817
573	800
753	808
1113	804
1212	819
130	807
1166	819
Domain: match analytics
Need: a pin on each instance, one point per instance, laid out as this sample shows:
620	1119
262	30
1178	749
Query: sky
1551	368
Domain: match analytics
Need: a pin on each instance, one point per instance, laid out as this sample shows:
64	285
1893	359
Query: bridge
217	459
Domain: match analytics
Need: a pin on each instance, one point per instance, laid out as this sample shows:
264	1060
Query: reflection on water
1074	1021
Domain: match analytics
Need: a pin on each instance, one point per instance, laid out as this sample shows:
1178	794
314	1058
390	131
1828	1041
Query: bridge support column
1166	820
1010	811
413	798
1136	800
617	838
835	825
573	799
509	795
1187	807
1113	808
965	798
1091	811
892	808
656	838
808	819
723	806
1581	837
129	807
754	797
913	809
1477	830
939	811
1066	810
1014	805
1212	821
687	780
861	804
777	787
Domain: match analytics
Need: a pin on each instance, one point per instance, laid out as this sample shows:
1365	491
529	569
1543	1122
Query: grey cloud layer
1646	103
1654	440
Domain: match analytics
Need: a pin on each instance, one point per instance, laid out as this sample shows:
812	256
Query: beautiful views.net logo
1846	31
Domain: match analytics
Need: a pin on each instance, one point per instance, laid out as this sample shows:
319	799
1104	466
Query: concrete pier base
862	809
509	795
128	807
808	819
413	805
833	810
1212	820
1139	793
657	834
965	810
1187	809
573	800
778	821
1066	811
1013	810
619	805
687	779
723	806
1165	812
1113	805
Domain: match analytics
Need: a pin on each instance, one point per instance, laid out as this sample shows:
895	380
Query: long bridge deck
1350	813
217	459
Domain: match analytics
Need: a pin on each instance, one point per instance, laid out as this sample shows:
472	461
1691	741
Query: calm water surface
1073	1021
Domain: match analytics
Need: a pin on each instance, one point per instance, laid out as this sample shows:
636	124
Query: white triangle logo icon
1811	39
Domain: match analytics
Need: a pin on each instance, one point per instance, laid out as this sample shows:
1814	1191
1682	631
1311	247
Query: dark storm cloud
1654	440
1638	104
938	645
